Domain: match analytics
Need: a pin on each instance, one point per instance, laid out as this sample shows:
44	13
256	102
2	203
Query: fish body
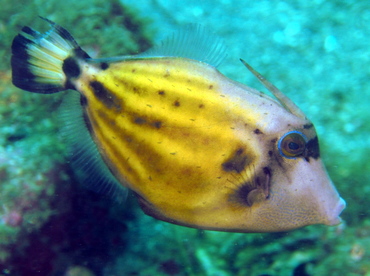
197	148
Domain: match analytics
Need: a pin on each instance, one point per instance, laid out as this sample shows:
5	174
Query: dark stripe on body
132	86
105	96
122	146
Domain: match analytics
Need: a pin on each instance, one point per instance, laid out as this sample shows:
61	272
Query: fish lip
336	219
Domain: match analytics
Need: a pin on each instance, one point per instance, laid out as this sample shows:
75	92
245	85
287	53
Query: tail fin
45	62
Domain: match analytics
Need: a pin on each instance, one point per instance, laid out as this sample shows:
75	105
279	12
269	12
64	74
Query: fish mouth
334	218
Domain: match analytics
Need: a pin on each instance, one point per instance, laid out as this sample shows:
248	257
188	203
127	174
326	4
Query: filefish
196	148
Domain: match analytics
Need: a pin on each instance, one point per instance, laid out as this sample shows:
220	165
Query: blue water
316	52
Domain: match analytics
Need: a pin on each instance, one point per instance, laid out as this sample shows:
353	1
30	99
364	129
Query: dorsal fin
287	103
85	158
193	42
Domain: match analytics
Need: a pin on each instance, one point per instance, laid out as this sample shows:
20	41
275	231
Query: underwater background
316	52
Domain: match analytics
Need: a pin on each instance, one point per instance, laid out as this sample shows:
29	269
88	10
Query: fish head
296	186
290	187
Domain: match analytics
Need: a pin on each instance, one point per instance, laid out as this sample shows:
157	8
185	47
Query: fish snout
333	214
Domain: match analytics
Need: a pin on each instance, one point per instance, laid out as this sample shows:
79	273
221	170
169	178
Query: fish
196	148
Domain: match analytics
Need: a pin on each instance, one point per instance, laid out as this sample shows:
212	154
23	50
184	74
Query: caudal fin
45	62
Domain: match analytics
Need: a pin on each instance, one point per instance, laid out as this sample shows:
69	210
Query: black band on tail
41	62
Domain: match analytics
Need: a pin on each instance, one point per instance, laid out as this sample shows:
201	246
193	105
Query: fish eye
292	144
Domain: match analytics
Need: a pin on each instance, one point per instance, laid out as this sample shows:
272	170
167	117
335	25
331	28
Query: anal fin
85	158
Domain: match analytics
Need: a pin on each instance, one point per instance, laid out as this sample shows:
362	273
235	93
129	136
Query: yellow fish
197	148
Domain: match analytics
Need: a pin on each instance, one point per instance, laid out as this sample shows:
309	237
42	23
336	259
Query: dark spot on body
201	106
83	101
133	70
102	114
161	92
157	124
274	140
139	121
257	131
167	74
104	65
266	170
307	126
176	103
237	162
71	68
210	87
270	153
128	139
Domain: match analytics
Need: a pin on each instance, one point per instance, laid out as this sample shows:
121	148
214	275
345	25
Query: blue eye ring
292	144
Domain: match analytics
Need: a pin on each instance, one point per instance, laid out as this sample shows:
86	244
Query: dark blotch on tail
104	65
71	68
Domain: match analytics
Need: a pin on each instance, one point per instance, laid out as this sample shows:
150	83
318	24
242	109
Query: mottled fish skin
197	148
